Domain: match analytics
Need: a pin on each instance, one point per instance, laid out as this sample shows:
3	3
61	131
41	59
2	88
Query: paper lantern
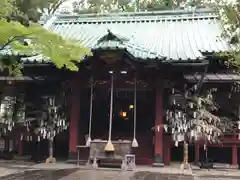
123	114
131	106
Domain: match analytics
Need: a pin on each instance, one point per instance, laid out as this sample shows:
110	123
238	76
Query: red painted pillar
20	147
196	158
74	119
158	140
234	155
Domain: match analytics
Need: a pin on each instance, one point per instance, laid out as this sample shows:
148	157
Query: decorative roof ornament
110	36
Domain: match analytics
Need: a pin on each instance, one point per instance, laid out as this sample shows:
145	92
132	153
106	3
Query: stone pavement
62	171
217	174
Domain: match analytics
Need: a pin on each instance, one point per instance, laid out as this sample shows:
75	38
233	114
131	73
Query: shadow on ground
40	175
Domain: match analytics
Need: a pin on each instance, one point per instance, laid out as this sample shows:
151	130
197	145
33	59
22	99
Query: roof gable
112	41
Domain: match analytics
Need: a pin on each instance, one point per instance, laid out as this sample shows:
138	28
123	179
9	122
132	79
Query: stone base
51	160
72	156
158	164
72	159
185	166
158	161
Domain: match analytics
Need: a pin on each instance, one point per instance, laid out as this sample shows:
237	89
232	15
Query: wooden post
185	152
167	150
158	140
196	159
74	118
234	155
20	147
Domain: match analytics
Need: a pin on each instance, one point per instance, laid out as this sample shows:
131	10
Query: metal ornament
134	142
90	115
109	146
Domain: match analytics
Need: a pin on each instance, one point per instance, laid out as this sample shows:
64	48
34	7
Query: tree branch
12	40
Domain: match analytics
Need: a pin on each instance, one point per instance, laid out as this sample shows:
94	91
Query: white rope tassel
134	142
90	115
109	146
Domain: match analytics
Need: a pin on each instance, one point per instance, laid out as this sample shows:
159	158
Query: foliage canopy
40	41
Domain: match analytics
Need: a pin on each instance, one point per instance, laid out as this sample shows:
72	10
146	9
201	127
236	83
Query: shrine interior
123	112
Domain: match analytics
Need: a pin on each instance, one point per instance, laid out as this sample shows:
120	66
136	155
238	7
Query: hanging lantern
123	114
131	106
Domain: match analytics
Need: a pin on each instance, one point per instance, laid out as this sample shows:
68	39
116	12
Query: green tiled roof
25	58
175	36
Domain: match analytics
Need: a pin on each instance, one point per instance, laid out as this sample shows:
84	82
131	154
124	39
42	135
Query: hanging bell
88	142
134	142
109	146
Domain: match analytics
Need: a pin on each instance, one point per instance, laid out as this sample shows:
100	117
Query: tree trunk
50	146
185	152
